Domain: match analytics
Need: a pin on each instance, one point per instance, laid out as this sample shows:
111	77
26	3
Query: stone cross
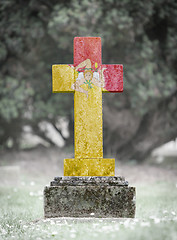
88	78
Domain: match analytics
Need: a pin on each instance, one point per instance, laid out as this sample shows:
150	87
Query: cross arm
112	74
62	78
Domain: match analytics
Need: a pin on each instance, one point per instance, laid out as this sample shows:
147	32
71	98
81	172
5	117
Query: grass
21	216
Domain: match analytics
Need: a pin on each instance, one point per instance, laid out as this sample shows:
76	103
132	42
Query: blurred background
141	35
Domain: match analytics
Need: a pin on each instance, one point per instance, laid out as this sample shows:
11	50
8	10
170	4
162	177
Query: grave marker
88	78
88	187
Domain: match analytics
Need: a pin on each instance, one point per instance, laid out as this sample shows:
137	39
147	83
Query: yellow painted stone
88	123
62	78
89	167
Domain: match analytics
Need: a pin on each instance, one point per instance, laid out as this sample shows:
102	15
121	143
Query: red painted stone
113	75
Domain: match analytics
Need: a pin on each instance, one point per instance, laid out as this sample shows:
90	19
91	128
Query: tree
140	35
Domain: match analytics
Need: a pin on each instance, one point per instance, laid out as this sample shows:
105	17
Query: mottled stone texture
83	196
89	167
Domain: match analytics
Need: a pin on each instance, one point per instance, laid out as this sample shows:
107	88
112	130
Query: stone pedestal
89	197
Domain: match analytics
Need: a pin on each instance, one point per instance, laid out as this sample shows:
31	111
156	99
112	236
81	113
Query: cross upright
88	78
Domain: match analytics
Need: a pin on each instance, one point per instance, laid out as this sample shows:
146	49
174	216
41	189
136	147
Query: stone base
106	197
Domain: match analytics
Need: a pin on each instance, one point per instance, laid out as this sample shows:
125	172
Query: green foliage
36	34
15	96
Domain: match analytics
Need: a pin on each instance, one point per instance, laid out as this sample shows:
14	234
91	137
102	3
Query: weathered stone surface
85	181
89	197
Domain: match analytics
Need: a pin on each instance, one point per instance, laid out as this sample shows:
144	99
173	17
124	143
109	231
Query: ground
24	174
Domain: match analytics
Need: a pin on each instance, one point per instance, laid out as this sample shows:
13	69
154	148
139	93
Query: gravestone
89	187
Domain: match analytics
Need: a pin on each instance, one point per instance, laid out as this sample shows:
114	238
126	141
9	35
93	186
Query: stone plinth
89	197
89	167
